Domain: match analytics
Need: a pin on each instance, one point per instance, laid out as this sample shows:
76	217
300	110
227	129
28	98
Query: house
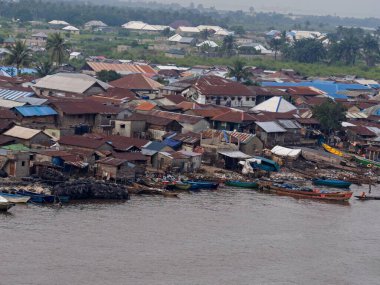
136	158
293	131
360	133
270	133
58	23
15	163
94	24
187	142
151	149
169	100
177	161
84	143
175	53
189	123
86	112
137	83
28	136
182	42
36	115
275	105
245	142
265	93
38	40
61	84
71	29
144	28
188	31
115	169
216	90
234	120
92	67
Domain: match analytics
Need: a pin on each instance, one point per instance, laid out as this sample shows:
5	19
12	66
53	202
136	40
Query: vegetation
45	67
57	47
239	71
107	76
330	115
19	55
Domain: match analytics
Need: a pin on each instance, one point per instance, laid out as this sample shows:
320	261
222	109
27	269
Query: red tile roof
145	106
267	91
218	86
136	82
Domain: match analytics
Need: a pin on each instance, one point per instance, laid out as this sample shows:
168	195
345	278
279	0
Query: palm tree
371	50
57	46
45	67
239	71
19	55
228	44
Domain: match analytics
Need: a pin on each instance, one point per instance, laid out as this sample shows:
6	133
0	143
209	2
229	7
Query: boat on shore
5	205
178	186
366	162
242	184
332	183
332	150
304	193
364	198
197	185
15	198
36	197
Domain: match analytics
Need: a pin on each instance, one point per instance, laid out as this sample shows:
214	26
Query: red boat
304	193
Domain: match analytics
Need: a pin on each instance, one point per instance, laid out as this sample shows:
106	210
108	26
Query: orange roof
145	106
123	68
136	81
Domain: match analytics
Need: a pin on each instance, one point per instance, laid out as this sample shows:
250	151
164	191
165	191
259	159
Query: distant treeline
118	13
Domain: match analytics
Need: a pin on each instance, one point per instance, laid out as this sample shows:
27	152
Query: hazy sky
355	8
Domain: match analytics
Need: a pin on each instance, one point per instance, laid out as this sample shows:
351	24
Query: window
122	126
108	116
80	116
23	163
232	98
246	98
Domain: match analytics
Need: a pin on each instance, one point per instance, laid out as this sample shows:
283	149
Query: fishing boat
196	185
37	198
5	205
304	193
242	184
364	198
15	198
332	183
366	162
332	150
182	186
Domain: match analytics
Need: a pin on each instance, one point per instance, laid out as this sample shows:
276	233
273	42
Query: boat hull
4	207
332	183
37	198
367	198
242	184
334	197
197	185
14	198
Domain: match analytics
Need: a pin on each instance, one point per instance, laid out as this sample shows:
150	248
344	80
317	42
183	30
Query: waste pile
91	189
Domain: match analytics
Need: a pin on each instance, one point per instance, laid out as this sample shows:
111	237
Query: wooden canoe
15	198
242	184
332	150
364	198
332	183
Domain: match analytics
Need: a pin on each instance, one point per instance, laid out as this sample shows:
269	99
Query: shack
110	168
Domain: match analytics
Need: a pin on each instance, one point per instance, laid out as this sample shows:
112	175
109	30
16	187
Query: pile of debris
91	189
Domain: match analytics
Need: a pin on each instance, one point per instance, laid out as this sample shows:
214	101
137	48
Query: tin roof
122	68
14	94
271	127
36	111
22	132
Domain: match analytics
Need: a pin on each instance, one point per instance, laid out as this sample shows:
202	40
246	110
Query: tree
306	51
167	32
228	44
205	34
330	115
108	75
276	44
57	46
239	30
346	45
19	55
370	50
239	71
45	67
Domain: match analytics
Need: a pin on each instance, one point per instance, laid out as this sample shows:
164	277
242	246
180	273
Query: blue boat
15	198
37	198
196	185
332	183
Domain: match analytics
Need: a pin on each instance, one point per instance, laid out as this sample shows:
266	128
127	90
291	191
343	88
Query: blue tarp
266	164
331	88
172	143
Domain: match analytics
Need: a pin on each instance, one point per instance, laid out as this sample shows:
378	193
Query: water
222	237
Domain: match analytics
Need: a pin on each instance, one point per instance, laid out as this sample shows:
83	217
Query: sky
350	8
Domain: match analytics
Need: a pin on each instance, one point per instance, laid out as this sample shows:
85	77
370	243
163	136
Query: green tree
306	51
45	67
239	30
19	55
228	44
330	115
370	50
276	44
239	71
58	48
167	32
205	34
108	75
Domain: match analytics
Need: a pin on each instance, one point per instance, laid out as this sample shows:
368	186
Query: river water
222	237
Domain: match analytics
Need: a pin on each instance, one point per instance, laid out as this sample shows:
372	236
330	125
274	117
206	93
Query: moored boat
242	184
332	150
37	198
332	183
196	185
304	193
5	205
366	162
15	198
364	198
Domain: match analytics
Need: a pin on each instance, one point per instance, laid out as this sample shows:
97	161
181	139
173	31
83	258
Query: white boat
15	198
5	205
